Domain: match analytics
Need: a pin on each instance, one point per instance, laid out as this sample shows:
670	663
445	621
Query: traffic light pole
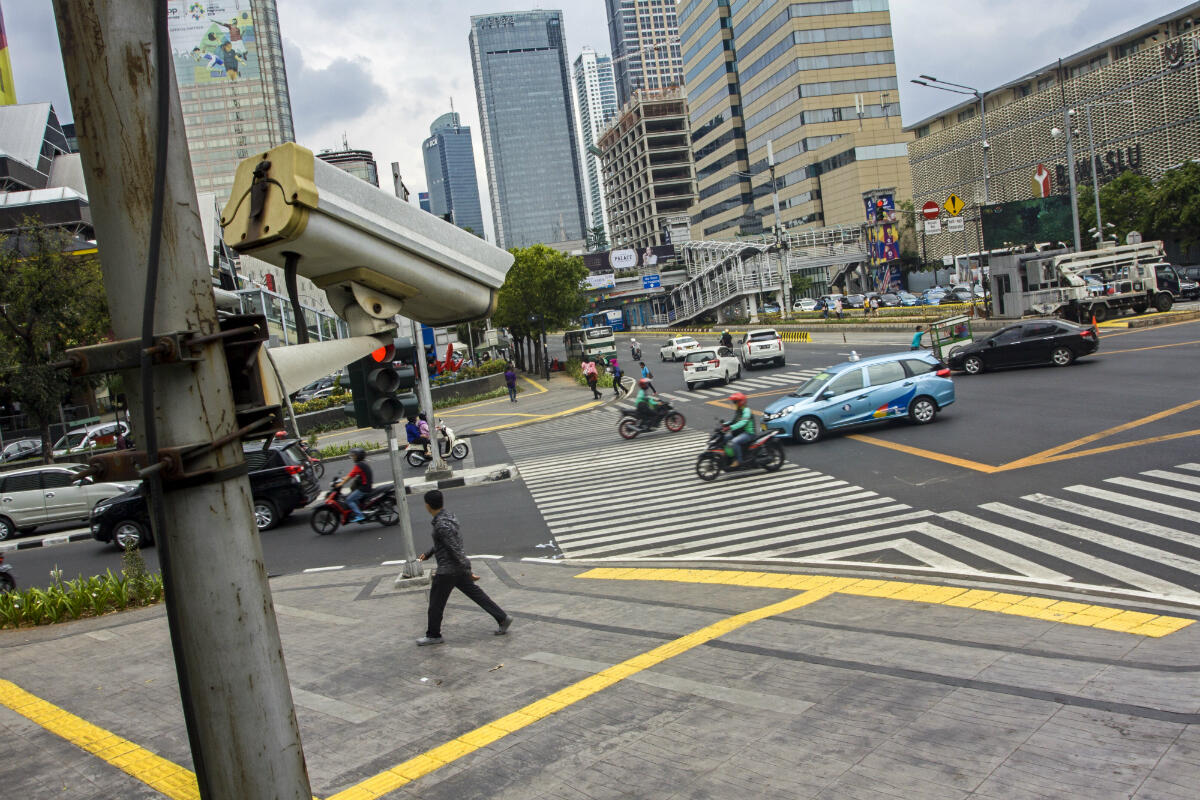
233	685
412	567
438	468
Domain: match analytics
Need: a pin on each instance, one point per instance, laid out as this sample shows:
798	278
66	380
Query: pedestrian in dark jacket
510	380
617	374
453	572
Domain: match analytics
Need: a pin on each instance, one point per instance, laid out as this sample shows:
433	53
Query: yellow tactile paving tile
1048	609
165	776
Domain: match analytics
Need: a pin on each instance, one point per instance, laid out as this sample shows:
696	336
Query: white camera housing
375	255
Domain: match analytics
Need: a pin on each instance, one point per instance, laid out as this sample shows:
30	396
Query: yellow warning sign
953	205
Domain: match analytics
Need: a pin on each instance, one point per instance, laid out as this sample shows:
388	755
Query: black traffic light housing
382	391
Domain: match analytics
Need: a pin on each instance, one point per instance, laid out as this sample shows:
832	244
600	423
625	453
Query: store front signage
1108	165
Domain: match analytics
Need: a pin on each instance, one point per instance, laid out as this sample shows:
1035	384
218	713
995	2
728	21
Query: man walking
648	376
453	572
617	374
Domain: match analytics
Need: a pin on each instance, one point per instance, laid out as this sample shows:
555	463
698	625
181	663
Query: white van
81	440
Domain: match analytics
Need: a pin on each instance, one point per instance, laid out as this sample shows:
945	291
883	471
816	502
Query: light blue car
912	385
908	299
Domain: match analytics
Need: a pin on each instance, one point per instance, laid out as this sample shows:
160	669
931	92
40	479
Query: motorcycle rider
647	404
635	349
362	471
414	435
726	338
741	427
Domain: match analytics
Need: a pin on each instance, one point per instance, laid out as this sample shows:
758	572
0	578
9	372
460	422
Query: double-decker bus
612	317
590	343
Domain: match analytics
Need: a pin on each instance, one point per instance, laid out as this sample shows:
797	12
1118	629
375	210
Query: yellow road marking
583	407
1110	448
1143	329
1044	608
534	384
155	771
1150	347
451	751
965	463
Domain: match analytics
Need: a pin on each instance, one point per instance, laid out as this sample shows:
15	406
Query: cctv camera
373	254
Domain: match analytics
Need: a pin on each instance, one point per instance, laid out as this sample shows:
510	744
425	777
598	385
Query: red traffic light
383	354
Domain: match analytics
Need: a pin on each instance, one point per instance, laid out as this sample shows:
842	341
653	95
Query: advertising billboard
881	233
212	42
1042	219
628	258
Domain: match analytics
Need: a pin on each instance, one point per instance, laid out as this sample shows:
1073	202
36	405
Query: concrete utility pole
233	685
412	567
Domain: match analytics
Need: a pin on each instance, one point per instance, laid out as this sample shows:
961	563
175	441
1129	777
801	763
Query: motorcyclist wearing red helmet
741	427
647	403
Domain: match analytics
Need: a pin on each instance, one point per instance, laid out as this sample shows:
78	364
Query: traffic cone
1093	320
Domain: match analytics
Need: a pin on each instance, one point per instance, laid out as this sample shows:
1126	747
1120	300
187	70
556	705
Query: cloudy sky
379	71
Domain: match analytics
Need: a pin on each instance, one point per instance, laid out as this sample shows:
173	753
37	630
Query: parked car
932	298
675	349
759	346
21	448
889	299
958	296
909	299
770	308
853	301
309	391
53	493
1043	341
281	480
81	440
827	300
910	385
707	365
805	304
328	391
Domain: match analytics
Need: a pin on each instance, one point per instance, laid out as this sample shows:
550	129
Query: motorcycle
636	352
314	460
378	506
765	451
7	582
450	445
630	424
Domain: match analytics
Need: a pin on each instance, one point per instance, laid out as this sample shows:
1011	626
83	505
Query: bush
467	373
83	597
339	398
341	448
575	370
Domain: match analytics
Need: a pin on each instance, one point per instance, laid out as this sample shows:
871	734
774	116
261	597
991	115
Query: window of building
966	114
1045	83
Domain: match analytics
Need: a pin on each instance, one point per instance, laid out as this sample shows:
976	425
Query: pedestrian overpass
719	273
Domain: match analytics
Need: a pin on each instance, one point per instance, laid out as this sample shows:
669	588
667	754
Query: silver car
53	493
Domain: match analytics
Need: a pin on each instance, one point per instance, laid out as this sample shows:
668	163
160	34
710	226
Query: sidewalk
646	683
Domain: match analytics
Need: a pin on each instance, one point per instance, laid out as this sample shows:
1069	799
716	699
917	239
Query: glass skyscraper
645	45
596	94
450	173
530	146
232	84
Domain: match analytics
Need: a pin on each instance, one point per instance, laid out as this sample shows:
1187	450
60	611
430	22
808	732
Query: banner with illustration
212	41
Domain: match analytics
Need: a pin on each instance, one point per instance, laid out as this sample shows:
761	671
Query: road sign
954	224
933	225
1133	237
931	210
651	281
953	205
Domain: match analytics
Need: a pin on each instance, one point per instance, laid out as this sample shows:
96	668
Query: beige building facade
801	77
1141	90
646	159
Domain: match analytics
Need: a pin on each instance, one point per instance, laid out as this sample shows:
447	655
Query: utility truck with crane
1093	284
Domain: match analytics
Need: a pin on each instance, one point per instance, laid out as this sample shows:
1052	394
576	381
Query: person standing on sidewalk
453	572
589	374
510	380
617	372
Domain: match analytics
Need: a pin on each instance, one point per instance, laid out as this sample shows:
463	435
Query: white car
675	349
804	304
710	364
760	346
82	440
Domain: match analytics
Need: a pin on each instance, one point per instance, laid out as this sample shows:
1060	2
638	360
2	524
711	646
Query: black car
889	300
957	296
1041	341
281	480
853	301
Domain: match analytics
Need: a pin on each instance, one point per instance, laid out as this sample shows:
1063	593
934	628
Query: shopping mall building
1143	92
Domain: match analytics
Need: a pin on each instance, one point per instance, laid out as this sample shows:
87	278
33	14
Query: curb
478	476
46	541
1167	318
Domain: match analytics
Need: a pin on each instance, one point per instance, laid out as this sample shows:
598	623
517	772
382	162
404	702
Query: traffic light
377	385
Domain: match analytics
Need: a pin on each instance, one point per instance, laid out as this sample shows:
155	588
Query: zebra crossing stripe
1120	520
794	542
1120	545
855	510
1029	568
1172	476
1136	502
1155	488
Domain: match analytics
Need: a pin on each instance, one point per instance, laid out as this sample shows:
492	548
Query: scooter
450	445
765	451
378	506
7	582
636	352
630	424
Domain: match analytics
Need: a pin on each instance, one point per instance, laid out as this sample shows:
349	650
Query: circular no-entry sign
931	210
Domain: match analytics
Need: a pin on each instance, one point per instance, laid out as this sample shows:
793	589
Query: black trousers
439	593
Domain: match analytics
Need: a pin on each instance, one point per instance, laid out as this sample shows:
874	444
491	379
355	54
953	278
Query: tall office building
359	163
596	96
530	147
817	81
450	173
232	84
646	50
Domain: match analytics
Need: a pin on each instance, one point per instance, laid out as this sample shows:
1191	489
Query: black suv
281	481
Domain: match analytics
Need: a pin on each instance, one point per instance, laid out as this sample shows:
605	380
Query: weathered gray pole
233	683
412	567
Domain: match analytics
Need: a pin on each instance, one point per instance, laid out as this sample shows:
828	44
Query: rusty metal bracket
173	347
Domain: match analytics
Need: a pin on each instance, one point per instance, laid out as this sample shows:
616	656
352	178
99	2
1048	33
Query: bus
591	343
612	317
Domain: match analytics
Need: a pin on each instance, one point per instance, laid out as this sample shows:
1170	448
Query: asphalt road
1062	436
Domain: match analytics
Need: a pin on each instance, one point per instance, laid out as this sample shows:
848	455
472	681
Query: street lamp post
1067	114
958	88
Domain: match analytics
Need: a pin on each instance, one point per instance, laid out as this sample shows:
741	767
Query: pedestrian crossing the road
1139	533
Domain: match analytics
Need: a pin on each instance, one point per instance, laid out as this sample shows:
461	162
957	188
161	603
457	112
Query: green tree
1175	213
1126	202
50	300
543	291
597	239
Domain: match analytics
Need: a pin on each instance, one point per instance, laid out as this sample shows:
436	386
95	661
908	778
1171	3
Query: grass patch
82	597
341	448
